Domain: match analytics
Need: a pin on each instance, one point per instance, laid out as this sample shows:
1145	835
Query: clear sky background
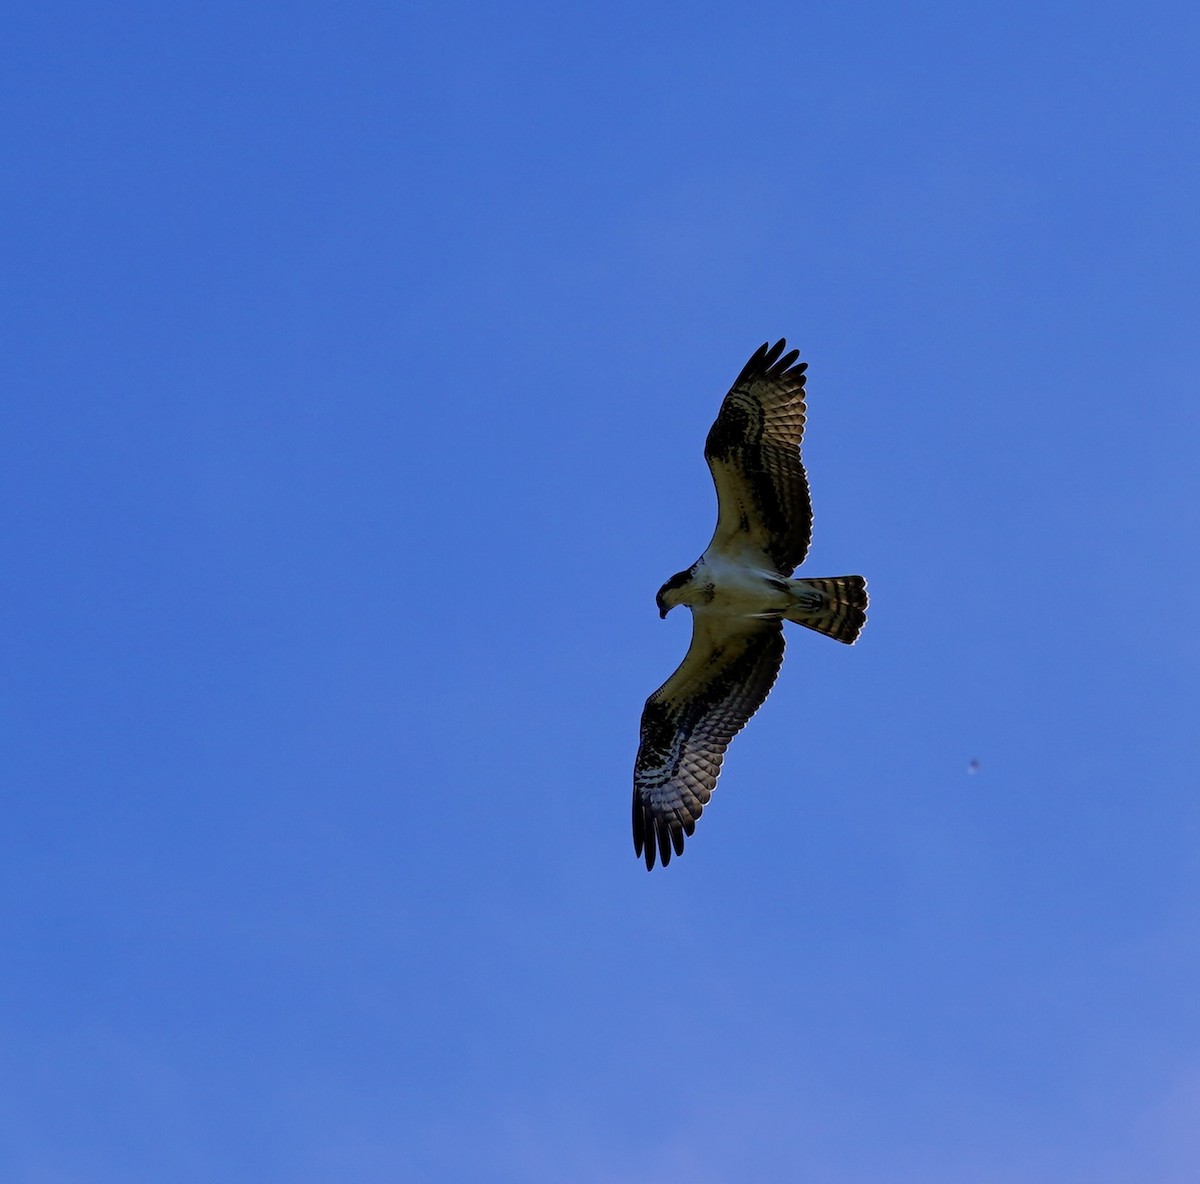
357	362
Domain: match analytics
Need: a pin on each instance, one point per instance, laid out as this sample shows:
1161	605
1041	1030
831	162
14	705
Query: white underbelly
742	591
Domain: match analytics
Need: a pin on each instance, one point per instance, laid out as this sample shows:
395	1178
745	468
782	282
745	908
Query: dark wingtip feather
643	845
767	362
784	364
772	355
655	839
662	831
752	366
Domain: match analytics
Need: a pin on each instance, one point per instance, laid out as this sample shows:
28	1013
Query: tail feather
836	607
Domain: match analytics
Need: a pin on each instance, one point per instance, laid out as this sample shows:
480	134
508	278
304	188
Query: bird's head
670	594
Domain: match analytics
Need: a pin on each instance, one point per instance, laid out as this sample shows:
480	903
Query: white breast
739	590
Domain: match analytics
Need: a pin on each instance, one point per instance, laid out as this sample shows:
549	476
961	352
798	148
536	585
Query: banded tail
836	607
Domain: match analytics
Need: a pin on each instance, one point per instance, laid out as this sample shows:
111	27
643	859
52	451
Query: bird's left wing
764	514
689	721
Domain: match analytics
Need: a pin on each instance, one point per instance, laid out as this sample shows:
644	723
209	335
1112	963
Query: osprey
740	592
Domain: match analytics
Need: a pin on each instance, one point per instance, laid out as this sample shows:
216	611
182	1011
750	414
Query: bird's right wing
689	721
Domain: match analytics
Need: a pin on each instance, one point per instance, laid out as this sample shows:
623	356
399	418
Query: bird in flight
740	592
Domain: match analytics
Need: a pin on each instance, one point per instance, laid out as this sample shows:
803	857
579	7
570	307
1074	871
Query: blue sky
357	365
